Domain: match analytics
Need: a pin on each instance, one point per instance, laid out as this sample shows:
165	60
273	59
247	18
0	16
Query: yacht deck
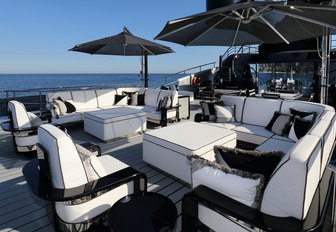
20	210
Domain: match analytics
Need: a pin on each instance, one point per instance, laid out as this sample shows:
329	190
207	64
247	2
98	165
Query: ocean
36	81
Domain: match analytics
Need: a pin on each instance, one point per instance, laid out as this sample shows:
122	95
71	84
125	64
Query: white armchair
24	126
81	185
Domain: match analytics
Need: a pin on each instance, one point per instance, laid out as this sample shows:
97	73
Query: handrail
188	69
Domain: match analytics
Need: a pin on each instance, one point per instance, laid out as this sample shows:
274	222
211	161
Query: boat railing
172	77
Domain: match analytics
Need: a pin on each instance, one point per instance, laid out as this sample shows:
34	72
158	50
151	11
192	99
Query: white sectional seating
290	189
101	99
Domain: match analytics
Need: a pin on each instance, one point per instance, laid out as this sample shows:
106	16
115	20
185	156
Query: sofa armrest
228	208
42	188
164	111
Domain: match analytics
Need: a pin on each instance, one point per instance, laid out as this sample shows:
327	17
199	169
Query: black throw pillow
70	107
307	115
279	123
250	161
141	99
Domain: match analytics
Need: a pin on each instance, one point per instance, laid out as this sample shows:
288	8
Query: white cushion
65	165
236	101
61	107
244	190
63	95
276	145
105	97
300	105
225	113
152	97
222	125
19	115
259	111
290	190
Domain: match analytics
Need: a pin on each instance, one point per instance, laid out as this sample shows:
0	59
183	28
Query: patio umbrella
252	22
124	44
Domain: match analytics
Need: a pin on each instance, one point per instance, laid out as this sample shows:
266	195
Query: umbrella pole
146	70
325	47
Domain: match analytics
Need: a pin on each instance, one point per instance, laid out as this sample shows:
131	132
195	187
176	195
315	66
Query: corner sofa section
290	190
99	99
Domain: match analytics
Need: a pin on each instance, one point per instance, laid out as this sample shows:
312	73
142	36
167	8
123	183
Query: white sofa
292	185
100	99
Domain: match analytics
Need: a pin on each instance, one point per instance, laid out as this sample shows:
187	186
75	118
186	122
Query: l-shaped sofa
80	101
307	142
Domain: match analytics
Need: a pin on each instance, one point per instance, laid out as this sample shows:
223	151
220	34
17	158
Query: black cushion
307	115
70	107
299	128
208	108
250	161
141	99
279	123
118	98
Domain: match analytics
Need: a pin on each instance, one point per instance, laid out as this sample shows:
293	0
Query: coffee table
116	122
167	148
143	212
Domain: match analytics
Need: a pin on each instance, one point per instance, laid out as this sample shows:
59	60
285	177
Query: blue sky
36	35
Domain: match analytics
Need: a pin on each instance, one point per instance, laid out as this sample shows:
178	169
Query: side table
150	212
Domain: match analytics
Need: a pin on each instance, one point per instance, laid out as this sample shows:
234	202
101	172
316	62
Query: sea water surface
37	81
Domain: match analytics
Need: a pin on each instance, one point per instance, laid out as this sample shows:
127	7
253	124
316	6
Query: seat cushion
273	144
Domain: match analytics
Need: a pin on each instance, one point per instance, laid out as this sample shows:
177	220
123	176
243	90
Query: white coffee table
166	148
116	122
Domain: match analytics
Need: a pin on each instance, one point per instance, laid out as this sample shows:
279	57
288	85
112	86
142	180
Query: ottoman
166	148
116	122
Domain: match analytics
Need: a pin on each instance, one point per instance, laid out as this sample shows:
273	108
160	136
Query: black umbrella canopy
124	44
252	22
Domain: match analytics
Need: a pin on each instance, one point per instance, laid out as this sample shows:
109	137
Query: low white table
166	148
115	122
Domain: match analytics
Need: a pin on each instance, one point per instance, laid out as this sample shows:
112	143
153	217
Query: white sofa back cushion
302	106
292	185
259	111
105	97
172	93
324	130
64	95
65	166
84	99
152	97
20	117
238	102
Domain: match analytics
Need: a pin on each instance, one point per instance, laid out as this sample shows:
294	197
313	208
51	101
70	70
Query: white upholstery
66	168
21	121
294	181
225	125
102	99
238	102
292	185
304	106
20	117
115	122
252	133
64	95
241	189
152	97
167	147
67	171
255	112
273	144
105	97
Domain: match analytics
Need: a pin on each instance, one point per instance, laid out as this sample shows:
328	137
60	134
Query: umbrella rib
200	35
271	26
310	20
236	33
